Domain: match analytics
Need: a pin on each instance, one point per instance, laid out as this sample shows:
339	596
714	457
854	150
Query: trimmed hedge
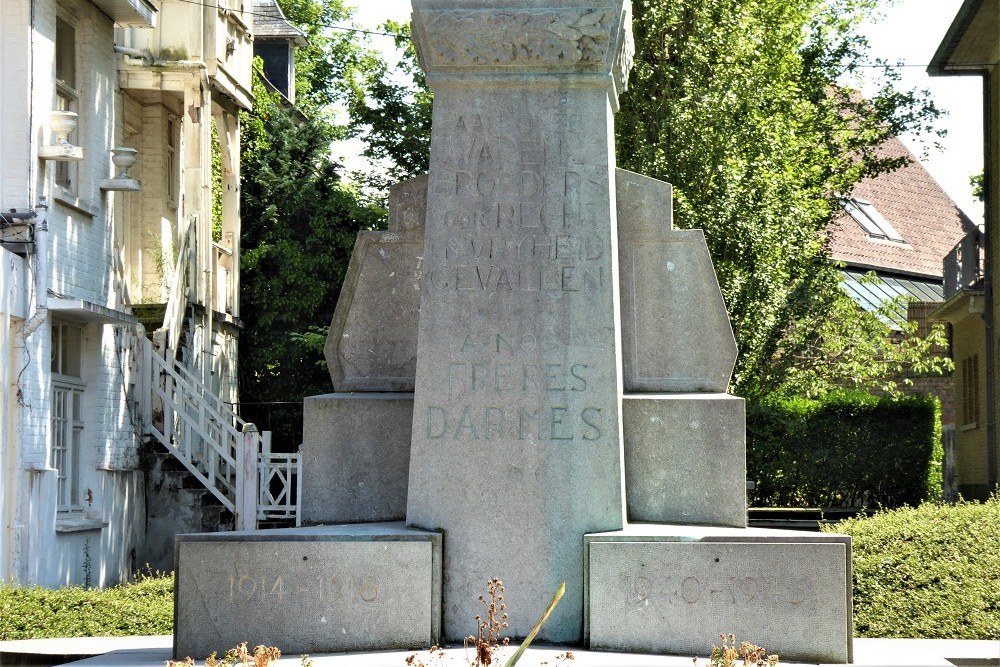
145	607
929	572
850	449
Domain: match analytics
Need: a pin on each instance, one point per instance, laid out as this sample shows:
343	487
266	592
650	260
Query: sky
909	32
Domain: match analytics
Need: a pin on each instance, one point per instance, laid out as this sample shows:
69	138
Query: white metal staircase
229	456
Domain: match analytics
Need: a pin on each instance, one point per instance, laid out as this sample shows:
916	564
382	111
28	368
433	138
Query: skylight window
874	224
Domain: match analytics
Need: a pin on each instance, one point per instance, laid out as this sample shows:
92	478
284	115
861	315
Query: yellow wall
970	437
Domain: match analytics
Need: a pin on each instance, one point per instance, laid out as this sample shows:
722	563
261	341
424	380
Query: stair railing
280	484
205	439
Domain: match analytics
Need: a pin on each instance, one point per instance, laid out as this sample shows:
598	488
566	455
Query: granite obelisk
517	443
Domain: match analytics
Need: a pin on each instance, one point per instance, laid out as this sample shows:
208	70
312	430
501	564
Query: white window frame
67	442
67	423
874	223
171	167
67	173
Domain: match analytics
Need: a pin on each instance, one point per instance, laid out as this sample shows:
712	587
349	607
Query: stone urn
62	124
123	157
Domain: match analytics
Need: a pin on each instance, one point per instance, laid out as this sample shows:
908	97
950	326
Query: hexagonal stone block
676	335
372	342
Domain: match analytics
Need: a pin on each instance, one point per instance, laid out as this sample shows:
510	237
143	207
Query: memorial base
325	589
685	459
356	457
671	589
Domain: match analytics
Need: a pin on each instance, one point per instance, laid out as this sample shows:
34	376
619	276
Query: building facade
971	47
899	225
119	242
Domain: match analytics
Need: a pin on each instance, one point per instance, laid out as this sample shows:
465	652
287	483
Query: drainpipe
41	234
146	56
989	356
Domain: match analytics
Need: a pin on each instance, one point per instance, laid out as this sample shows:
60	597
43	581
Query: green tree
976	181
323	64
735	103
299	217
300	221
849	348
390	110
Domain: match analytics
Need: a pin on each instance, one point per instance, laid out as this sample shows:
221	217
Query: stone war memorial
530	369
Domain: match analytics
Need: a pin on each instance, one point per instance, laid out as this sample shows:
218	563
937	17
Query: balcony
214	37
963	266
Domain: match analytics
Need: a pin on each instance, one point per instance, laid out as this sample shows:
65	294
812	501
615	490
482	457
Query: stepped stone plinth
355	457
685	458
529	362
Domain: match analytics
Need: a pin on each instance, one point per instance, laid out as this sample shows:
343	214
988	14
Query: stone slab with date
788	591
314	590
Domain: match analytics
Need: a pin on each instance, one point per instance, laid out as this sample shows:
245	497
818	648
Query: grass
145	607
927	572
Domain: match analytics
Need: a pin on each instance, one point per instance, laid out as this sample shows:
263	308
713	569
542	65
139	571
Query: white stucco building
89	255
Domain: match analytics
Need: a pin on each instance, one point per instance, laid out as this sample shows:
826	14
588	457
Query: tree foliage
390	110
322	65
299	218
849	348
736	103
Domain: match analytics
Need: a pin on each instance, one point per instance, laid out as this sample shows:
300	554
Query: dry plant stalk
262	656
487	640
436	657
750	654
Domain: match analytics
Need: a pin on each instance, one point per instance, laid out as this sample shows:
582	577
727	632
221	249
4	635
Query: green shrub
145	607
929	572
849	449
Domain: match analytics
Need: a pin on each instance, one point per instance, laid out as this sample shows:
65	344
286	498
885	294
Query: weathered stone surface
408	208
307	590
374	348
517	403
676	335
535	38
685	458
675	589
356	455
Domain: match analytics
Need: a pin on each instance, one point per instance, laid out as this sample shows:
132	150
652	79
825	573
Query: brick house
900	225
969	48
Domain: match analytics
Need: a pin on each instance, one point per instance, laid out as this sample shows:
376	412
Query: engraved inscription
737	589
488	422
502	373
518	219
281	588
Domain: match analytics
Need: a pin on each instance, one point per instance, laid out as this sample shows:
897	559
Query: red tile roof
912	201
